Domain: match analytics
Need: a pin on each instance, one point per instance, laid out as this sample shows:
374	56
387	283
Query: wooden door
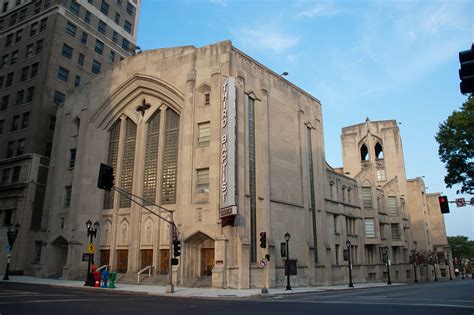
164	261
104	257
207	261
146	257
122	260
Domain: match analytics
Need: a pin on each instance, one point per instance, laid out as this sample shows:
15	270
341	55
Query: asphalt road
455	297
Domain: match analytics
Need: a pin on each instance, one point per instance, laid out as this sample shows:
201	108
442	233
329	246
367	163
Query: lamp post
389	282
413	259
287	239
92	233
11	236
431	261
348	245
446	260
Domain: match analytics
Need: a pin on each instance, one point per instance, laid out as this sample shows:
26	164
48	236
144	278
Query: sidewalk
191	292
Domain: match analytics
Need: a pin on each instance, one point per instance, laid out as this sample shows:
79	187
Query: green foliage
461	246
456	147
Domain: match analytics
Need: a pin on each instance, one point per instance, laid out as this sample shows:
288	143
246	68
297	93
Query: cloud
320	9
266	38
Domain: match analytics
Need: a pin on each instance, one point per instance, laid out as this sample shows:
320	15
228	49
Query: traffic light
466	73
176	248
443	204
263	239
106	177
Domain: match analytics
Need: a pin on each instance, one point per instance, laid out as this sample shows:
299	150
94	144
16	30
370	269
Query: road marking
69	300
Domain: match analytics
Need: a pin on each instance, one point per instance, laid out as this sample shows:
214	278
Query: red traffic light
443	204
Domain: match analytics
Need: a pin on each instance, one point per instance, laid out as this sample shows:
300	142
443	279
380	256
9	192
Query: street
444	297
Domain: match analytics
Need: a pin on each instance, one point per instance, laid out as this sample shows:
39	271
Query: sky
378	59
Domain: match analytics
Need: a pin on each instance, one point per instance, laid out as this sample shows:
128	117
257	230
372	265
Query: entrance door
122	260
164	261
207	261
104	257
147	257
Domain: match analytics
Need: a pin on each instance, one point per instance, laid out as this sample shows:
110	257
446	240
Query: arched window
151	157
364	153
378	151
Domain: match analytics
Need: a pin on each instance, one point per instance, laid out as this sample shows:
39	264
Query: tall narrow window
67	196
364	153
378	151
202	181
392	205
151	157
367	197
309	148
204	133
252	180
128	159
369	227
72	158
395	231
112	160
170	158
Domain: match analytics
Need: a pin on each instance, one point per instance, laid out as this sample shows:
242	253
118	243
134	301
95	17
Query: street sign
85	256
460	202
91	248
263	263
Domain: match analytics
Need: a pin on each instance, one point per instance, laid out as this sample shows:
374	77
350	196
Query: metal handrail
142	271
106	267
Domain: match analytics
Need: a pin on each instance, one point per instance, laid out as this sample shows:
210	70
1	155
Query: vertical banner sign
228	206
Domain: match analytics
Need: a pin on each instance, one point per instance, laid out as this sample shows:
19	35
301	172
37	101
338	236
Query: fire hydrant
105	278
96	279
113	277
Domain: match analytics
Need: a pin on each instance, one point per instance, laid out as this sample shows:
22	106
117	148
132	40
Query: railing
142	271
106	267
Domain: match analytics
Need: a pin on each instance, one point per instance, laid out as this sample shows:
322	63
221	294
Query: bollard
112	278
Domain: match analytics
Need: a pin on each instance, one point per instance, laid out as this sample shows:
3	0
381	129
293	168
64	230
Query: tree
461	246
456	147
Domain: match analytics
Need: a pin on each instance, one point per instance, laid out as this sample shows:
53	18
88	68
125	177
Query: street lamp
446	260
287	239
388	266
91	232
413	260
432	261
348	245
11	236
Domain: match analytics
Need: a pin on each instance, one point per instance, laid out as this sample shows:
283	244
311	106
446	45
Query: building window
13	19
63	74
67	51
87	17
102	27
125	44
29	51
6	176
10	148
15	123
84	38
52	122
77	81
202	181
43	24
71	29
9	40
252	179
117	18
37	7
127	27
207	98
170	165
364	153
114	136
29	94
5	101
367	197
112	56
95	66
80	59
395	231
39	46
5	59
22	15
151	157
351	226
9	80
26	120
59	98
7	217
99	47
392	205
24	74
67	196
20	148
104	8
204	133
130	8
381	175
33	28
128	161
75	7
369	227
114	36
37	252
72	158
34	70
19	35
16	174
14	57
19	97
382	231
335	224
378	151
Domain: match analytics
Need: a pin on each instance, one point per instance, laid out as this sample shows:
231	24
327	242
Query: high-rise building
47	48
